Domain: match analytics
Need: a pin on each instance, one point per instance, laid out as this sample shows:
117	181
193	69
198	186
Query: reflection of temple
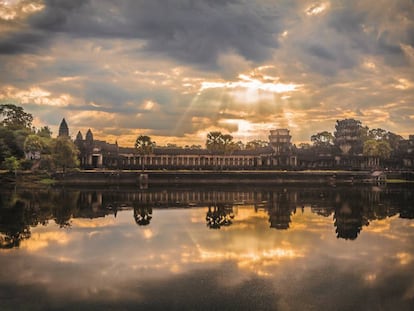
352	208
280	208
349	221
219	215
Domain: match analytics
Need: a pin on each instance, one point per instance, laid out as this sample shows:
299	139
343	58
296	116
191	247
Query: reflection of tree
142	215
349	221
14	225
218	215
406	204
65	206
407	211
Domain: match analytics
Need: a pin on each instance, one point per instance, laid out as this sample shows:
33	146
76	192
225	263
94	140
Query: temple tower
63	129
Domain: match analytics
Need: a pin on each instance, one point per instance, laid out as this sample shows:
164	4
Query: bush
11	164
26	164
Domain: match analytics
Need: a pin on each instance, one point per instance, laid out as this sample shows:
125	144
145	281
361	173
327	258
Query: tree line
21	143
353	138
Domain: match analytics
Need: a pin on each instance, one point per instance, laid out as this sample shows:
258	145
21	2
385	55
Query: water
225	248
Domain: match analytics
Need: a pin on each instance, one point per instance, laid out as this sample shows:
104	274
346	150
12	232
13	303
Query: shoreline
104	177
187	177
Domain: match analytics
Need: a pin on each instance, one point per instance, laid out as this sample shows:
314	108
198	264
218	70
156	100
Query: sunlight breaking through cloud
251	83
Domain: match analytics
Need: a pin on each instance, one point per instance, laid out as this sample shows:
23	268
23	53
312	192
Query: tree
11	164
15	126
65	153
377	148
14	117
215	142
304	146
323	142
391	138
196	147
220	143
228	144
256	144
144	146
384	149
4	150
44	132
33	144
377	134
322	139
370	148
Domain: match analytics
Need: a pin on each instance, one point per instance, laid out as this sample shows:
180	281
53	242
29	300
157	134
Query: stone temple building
279	154
101	154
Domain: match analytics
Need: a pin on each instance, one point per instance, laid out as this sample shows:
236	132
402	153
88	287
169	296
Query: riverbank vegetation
26	148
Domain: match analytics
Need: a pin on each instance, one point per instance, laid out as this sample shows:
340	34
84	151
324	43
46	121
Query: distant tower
89	136
79	139
279	140
79	136
63	129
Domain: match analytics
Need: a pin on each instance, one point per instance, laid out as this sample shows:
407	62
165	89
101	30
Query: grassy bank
27	178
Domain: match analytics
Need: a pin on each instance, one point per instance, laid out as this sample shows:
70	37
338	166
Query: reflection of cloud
41	240
404	258
253	260
147	233
93	223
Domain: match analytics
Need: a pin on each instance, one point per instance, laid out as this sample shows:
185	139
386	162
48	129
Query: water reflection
352	209
142	215
219	214
344	248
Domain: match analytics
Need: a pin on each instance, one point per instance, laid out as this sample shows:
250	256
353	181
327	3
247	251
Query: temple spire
63	128
89	136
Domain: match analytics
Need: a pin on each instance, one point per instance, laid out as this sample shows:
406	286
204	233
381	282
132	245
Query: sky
178	69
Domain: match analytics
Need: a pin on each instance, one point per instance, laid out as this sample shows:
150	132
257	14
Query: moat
245	247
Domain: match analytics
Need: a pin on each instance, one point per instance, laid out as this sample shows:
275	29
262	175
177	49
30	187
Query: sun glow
10	10
317	8
253	260
36	95
250	83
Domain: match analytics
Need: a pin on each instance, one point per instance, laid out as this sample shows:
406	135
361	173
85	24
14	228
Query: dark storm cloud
189	31
23	42
114	57
366	30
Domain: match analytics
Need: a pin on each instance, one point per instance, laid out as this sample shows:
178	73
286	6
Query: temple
280	153
63	129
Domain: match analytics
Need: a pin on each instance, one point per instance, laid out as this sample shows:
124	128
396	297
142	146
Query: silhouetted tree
142	215
144	146
219	215
14	117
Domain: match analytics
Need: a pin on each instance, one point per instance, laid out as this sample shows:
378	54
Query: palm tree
144	146
228	144
215	142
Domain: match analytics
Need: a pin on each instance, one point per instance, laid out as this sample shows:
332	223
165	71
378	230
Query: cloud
196	32
268	64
